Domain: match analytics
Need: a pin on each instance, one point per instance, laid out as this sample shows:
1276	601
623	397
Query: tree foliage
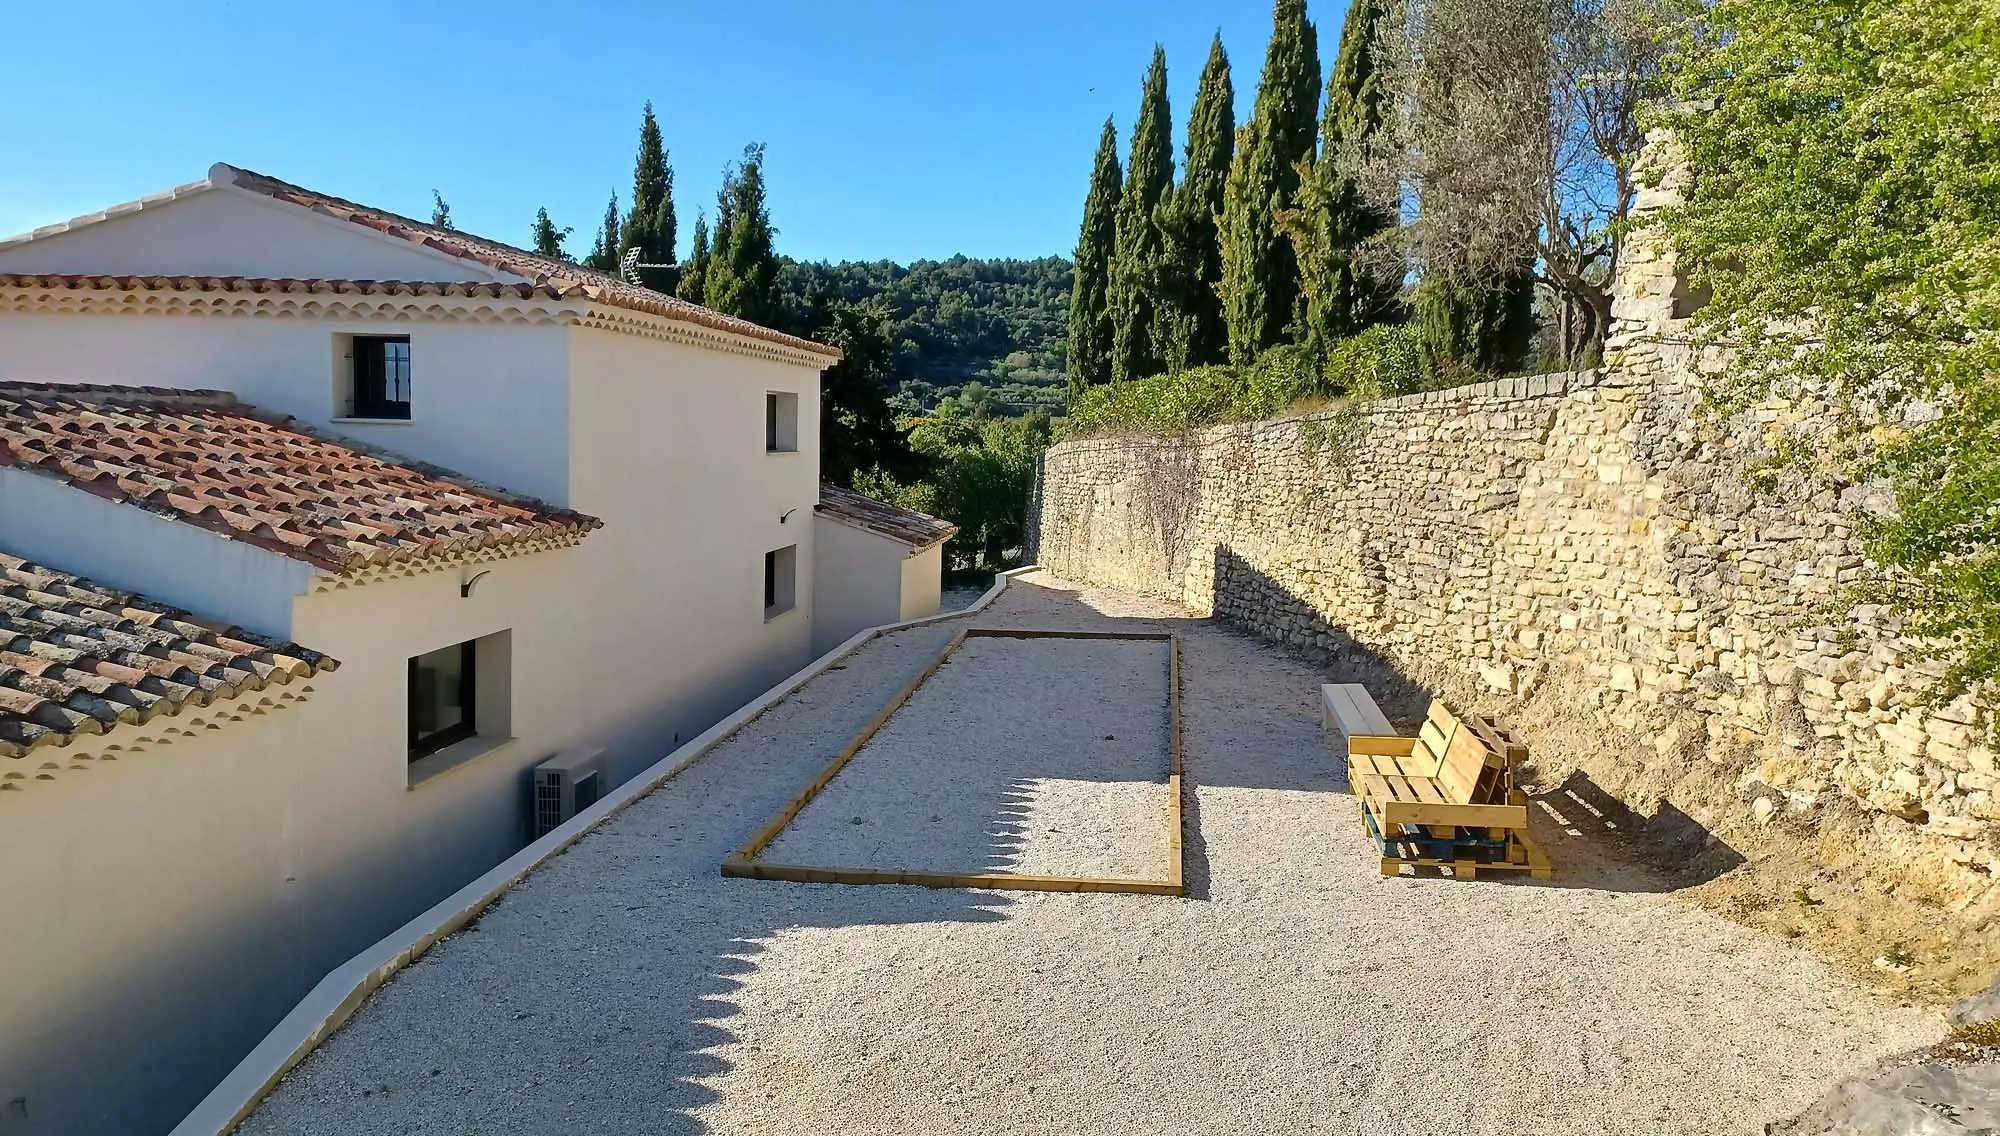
1335	219
985	333
650	228
548	240
858	429
440	211
693	284
1513	129
1845	220
982	470
1136	260
743	264
1190	331
1090	322
604	250
1260	274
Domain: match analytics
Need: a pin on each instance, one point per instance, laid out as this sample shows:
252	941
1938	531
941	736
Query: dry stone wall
1580	550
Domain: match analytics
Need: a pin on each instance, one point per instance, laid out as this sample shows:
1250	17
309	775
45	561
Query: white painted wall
487	400
159	918
124	546
667	446
923	583
862	579
233	232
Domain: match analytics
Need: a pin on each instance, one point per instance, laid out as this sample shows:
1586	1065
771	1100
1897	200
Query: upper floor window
381	386
781	422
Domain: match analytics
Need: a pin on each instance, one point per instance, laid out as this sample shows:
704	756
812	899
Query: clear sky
895	128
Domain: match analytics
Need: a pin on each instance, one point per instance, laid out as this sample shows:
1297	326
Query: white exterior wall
487	400
162	913
124	546
233	232
923	583
667	446
863	579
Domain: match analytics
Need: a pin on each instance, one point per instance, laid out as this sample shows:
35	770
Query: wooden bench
1445	798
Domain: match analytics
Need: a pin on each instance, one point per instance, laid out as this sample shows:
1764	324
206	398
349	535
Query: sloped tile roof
918	530
564	277
79	658
281	285
202	457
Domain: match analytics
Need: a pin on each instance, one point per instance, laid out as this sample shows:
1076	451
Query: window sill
452	756
781	453
771	613
376	421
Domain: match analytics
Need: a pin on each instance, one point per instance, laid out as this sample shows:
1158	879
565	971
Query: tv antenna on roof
629	266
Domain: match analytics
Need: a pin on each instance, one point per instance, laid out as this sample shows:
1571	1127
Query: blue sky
895	128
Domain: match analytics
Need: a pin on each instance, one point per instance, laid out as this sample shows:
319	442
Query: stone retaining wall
1580	550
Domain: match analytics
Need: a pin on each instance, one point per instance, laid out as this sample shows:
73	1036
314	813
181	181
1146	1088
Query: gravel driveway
627	988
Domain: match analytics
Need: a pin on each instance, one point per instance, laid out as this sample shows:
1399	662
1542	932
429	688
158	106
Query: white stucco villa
279	655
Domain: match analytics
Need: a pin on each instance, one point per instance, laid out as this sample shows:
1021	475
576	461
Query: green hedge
1381	362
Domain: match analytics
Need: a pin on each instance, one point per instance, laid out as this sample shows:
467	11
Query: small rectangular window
780	581
781	422
381	380
442	709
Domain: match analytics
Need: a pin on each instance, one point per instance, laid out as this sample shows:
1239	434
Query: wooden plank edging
346	988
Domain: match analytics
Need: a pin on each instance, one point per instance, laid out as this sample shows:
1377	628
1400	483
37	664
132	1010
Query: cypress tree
1191	331
1490	328
1135	265
1260	272
1090	333
1334	216
743	267
604	251
694	274
650	226
716	276
440	211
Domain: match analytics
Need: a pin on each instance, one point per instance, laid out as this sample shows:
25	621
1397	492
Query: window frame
781	422
781	595
369	378
468	696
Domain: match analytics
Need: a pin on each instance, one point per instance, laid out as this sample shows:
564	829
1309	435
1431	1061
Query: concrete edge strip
743	863
347	987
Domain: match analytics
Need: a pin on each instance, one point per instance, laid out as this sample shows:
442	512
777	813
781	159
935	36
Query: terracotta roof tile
918	530
202	457
80	658
547	271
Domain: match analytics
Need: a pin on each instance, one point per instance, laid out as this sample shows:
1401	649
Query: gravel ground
627	988
1025	756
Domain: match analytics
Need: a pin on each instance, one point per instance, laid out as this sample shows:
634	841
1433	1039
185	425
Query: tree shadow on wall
1594	839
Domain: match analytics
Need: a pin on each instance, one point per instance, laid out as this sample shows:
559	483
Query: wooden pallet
1446	798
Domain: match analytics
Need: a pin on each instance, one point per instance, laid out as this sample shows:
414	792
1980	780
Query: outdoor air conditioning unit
565	785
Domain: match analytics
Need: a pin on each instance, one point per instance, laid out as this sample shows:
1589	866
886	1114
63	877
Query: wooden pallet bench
1443	799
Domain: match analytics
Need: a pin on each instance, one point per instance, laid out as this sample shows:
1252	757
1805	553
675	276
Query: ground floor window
781	586
442	702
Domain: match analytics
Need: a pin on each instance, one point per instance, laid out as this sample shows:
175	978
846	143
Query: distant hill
986	332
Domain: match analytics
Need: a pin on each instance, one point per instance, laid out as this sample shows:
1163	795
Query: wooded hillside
987	333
